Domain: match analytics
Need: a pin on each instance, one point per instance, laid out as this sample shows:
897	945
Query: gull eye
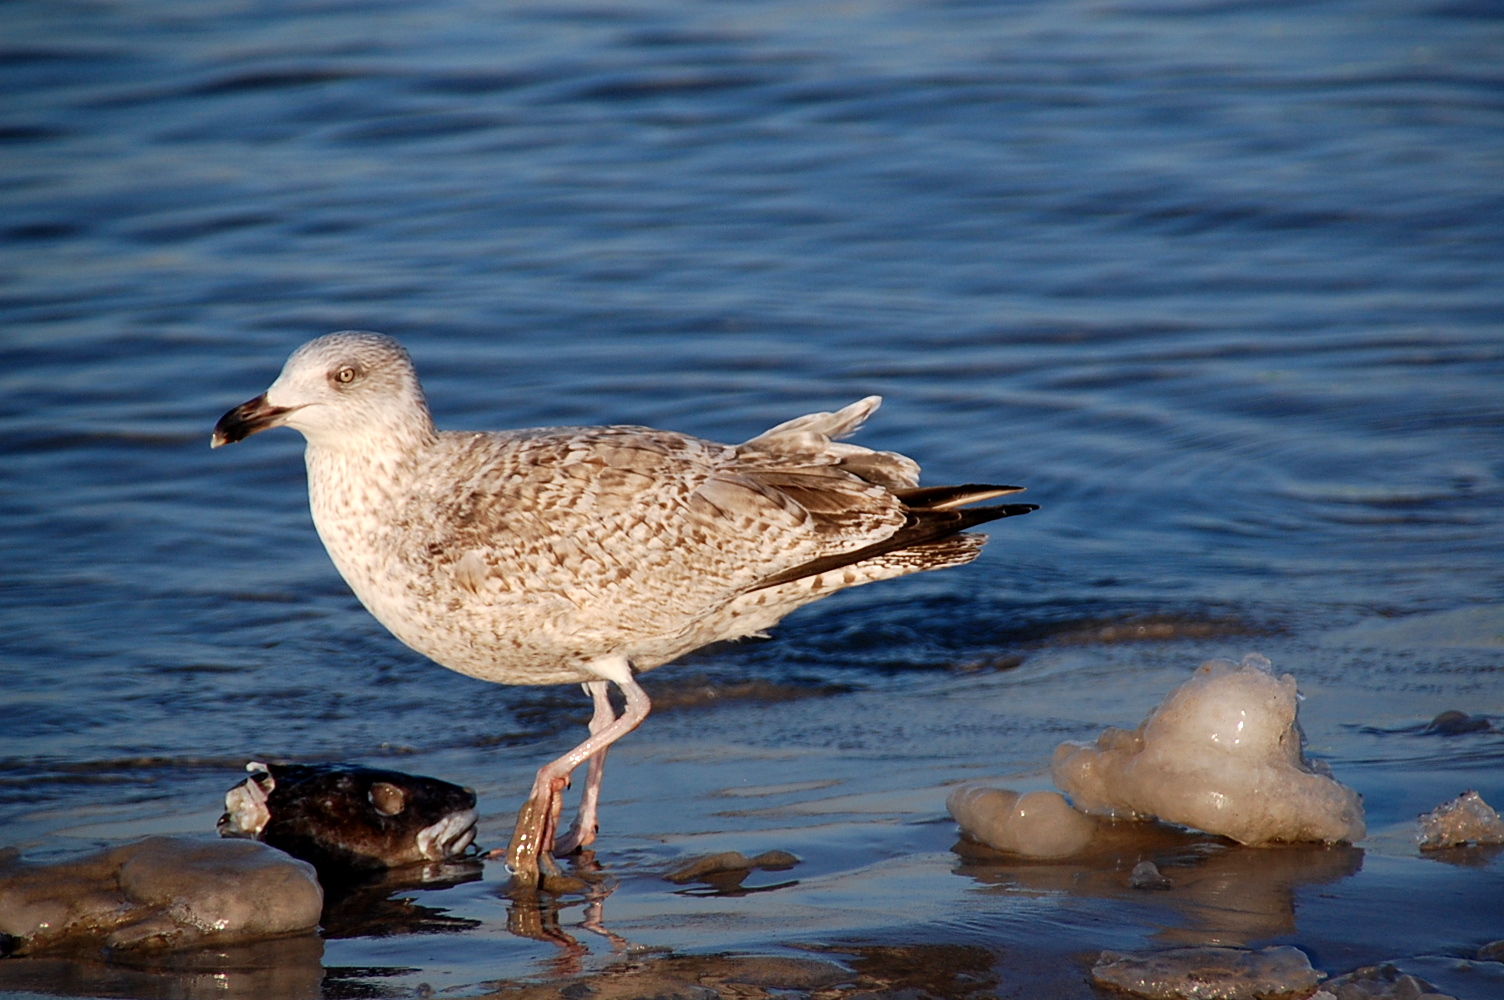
345	375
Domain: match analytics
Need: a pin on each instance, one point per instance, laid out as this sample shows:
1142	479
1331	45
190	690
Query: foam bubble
1035	824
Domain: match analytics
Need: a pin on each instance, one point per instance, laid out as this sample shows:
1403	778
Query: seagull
589	554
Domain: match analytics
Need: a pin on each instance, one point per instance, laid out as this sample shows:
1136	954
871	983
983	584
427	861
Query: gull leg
533	833
582	833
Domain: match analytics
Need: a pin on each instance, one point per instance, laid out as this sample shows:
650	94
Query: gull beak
246	419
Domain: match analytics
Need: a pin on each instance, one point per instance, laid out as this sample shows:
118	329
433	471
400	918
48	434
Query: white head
344	390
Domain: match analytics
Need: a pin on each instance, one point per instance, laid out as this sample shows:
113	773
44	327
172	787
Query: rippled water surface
1219	282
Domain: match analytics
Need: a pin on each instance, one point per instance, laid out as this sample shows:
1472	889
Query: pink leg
582	833
535	823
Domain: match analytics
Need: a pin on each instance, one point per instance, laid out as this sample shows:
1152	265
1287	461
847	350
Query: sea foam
1221	753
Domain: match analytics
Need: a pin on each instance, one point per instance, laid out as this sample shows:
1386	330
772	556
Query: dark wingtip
1011	509
926	526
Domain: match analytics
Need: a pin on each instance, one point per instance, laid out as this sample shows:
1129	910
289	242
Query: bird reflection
533	911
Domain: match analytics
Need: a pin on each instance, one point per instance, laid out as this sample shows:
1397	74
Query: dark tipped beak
246	419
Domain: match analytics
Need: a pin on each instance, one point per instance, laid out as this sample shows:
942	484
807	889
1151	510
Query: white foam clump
1466	819
1209	973
1035	824
1221	753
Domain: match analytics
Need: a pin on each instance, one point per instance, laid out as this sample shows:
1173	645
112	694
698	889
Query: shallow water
1218	282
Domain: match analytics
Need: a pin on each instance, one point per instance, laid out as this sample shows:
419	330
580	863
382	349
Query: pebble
1146	875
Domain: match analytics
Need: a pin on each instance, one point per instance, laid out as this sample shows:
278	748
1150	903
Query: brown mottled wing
640	529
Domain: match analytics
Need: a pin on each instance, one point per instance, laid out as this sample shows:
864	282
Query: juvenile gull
586	554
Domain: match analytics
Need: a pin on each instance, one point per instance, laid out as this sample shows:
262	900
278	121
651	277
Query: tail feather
931	519
839	424
811	441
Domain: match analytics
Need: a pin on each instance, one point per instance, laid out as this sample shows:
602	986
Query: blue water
1219	282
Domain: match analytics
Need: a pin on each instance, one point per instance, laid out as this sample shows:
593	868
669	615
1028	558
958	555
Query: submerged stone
729	861
1467	819
1222	753
698	977
1035	824
781	973
1455	723
1209	973
158	893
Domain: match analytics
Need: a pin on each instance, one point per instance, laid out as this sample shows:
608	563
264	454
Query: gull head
348	389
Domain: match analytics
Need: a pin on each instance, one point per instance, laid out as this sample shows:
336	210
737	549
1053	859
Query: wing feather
642	530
